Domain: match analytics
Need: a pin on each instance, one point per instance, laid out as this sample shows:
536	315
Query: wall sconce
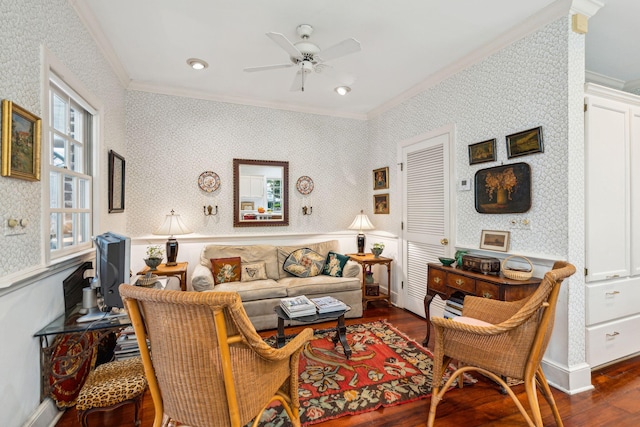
307	210
208	210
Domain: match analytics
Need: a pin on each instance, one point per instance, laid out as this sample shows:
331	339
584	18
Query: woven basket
148	281
516	274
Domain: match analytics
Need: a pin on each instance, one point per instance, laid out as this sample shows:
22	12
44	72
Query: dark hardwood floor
613	401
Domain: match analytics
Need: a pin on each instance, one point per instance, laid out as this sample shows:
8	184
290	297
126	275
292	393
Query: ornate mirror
260	193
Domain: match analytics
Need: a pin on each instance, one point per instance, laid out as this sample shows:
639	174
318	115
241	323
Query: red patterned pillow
71	361
226	270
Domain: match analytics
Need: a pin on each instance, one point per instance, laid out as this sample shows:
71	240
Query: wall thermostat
464	184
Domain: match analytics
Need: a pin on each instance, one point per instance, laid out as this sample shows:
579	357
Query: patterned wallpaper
172	140
520	87
26	27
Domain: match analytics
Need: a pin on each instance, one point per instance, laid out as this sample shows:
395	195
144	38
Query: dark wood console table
445	281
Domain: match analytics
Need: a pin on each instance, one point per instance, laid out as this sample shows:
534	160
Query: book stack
453	307
328	304
126	344
298	306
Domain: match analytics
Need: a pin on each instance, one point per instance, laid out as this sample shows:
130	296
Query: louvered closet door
426	213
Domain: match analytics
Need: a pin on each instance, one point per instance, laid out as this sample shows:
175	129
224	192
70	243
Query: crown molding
189	93
533	23
587	8
601	79
93	27
632	85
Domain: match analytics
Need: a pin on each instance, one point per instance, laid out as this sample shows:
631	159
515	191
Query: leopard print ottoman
112	385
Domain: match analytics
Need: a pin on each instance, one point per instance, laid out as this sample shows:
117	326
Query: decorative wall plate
304	185
209	181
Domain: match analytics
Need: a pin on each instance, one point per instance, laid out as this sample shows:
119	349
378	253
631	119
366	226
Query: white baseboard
45	415
572	380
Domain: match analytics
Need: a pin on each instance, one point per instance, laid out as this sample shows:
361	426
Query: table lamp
172	226
361	223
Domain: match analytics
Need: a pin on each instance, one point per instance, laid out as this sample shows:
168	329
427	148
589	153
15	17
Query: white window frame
55	72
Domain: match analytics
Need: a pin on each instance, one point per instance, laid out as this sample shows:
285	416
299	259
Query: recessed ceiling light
197	64
343	90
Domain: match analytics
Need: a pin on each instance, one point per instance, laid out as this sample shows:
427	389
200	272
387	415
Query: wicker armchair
207	366
510	344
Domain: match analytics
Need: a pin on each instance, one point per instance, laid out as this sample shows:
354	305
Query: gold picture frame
495	240
20	142
525	142
381	203
116	182
246	206
381	178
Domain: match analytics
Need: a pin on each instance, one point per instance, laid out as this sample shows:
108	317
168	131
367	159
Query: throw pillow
334	264
253	271
303	262
226	270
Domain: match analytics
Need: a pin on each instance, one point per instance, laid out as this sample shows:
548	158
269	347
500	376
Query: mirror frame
236	193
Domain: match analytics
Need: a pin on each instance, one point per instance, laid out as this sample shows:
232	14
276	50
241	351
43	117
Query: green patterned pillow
303	262
334	264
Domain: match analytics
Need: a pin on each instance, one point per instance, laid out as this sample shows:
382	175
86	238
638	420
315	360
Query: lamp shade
361	223
172	226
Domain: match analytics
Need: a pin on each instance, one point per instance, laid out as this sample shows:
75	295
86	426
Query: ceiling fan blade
345	47
284	43
267	67
297	82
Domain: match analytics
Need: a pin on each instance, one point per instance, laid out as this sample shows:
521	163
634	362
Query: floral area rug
386	368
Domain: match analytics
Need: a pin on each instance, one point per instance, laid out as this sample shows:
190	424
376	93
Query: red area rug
386	368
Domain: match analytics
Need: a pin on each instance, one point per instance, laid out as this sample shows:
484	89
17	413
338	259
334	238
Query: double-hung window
70	140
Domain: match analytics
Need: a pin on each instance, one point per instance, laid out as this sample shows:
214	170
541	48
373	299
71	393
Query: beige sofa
259	297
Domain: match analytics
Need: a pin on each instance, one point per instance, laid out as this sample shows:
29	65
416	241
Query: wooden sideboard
446	281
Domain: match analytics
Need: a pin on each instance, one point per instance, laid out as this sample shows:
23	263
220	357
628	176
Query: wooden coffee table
341	329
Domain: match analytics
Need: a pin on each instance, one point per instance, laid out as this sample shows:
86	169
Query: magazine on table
296	303
328	304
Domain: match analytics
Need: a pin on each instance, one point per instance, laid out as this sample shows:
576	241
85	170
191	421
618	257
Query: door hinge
402	284
401	225
401	166
585	108
586	271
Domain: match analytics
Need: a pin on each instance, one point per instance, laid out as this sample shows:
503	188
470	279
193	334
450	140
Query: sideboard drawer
437	280
613	299
462	283
487	290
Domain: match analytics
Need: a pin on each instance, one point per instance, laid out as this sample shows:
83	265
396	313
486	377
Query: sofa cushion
253	271
226	269
248	253
320	285
256	290
334	264
322	248
304	262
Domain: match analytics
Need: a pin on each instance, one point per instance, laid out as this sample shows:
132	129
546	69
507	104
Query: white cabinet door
251	186
635	191
607	192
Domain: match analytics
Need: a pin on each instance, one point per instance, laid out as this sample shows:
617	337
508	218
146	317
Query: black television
113	264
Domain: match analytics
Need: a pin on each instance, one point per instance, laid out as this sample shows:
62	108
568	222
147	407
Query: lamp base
361	240
172	252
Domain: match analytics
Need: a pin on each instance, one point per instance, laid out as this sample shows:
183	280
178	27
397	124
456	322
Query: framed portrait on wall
381	203
381	178
20	142
116	182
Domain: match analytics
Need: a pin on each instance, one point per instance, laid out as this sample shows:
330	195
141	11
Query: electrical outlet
520	224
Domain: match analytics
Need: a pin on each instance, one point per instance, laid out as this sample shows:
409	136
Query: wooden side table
366	261
179	270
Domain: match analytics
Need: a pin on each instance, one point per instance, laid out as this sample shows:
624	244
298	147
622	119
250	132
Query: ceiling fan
307	56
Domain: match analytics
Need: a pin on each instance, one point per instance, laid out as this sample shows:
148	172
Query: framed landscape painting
525	142
482	152
20	142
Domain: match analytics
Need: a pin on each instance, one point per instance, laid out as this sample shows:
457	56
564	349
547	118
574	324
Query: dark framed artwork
381	178
503	189
381	203
20	142
525	142
116	182
482	152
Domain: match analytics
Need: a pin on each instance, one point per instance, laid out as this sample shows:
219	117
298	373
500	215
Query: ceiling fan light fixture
197	64
342	90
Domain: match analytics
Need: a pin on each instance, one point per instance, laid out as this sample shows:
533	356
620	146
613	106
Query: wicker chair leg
546	392
435	399
532	396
